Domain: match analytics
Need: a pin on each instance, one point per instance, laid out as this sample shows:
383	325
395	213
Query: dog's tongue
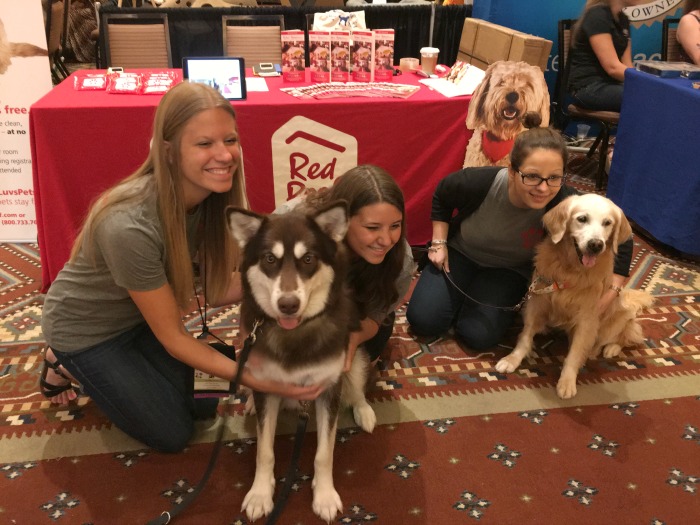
288	323
588	261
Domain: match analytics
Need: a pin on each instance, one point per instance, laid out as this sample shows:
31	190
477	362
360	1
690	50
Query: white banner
25	76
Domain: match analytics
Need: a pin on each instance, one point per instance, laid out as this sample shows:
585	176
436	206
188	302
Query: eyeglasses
530	179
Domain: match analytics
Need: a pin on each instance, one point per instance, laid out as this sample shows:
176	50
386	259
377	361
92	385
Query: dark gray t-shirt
89	302
499	234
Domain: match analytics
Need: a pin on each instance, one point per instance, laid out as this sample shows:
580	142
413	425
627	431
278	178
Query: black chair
670	48
563	110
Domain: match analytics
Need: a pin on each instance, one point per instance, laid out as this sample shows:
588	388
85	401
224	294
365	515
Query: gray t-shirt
89	301
499	234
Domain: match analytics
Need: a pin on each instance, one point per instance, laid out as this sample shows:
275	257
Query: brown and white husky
293	271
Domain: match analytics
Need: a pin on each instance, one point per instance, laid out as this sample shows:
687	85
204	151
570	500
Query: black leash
291	476
178	508
515	308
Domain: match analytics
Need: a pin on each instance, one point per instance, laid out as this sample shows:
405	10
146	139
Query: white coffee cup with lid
428	59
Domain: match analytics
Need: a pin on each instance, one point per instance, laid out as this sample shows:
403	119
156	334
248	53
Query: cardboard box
484	43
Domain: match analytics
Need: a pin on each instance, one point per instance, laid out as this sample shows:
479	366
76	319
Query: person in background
601	52
688	34
112	319
485	250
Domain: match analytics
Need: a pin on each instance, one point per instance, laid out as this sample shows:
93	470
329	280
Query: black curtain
198	31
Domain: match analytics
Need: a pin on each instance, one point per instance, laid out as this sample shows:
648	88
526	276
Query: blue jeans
600	95
436	304
139	386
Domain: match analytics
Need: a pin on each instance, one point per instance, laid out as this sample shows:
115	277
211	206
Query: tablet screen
226	74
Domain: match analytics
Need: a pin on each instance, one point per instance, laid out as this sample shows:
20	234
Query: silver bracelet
438	241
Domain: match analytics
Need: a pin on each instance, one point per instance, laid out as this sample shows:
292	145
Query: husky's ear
333	220
556	220
242	224
622	231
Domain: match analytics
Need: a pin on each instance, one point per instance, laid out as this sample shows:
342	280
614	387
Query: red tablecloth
84	141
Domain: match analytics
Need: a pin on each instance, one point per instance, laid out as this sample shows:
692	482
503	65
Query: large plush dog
509	93
15	49
293	272
573	268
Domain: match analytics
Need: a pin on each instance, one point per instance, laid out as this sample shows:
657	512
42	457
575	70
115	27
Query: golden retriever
573	268
509	92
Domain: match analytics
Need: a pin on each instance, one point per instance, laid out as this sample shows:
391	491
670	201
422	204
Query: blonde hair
160	176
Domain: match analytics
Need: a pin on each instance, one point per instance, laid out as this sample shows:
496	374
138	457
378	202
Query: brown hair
373	284
691	5
534	138
160	176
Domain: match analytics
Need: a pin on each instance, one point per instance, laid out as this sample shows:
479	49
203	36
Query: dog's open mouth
288	323
587	259
510	113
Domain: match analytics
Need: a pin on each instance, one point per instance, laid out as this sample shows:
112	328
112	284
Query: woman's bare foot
56	380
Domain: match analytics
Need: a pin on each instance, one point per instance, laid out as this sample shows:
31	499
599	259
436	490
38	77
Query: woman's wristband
436	242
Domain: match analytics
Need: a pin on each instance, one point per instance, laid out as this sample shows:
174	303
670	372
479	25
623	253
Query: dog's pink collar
494	148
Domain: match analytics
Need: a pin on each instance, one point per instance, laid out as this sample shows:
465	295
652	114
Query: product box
666	69
383	55
320	56
340	56
484	43
293	51
362	54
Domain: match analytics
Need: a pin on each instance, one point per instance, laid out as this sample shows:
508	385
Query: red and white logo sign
307	154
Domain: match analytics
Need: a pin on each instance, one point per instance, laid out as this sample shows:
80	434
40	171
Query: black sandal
47	389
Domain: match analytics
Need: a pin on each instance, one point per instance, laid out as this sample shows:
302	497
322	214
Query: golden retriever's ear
556	220
622	230
475	115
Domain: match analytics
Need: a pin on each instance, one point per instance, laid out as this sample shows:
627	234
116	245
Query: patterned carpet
456	442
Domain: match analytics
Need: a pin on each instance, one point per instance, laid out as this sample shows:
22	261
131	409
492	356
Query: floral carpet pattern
456	441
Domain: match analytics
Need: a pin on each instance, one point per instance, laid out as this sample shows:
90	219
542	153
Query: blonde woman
688	34
112	318
601	52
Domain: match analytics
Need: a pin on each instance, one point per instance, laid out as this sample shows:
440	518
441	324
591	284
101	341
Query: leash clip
252	335
305	406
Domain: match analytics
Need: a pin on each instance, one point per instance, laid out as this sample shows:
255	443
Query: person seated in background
688	34
601	52
481	256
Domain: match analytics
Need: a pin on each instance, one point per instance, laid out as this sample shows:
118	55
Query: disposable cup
408	64
428	59
582	131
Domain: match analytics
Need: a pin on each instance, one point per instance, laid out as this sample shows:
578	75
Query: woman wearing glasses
485	250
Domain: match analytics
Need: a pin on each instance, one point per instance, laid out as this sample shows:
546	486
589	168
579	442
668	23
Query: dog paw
327	504
566	388
611	350
508	364
257	503
365	417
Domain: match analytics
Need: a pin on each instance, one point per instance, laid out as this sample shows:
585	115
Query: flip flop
49	390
